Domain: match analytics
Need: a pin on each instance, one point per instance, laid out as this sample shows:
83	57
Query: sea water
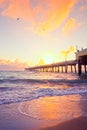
20	86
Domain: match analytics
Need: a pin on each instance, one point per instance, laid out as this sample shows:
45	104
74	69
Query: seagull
17	18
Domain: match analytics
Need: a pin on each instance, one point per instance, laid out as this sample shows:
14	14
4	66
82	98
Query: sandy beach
12	119
48	113
79	123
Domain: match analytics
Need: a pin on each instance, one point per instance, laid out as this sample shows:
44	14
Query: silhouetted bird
17	18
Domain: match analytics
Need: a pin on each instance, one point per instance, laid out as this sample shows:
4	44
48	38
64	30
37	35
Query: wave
27	95
54	81
21	81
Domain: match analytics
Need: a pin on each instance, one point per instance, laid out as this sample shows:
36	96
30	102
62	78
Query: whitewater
20	86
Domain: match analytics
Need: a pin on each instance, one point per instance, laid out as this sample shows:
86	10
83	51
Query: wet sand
47	113
12	119
79	123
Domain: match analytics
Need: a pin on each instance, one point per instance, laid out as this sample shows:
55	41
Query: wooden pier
73	66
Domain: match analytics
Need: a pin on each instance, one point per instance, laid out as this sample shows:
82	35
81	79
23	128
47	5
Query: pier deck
73	65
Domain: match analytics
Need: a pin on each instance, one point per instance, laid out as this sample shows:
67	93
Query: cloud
17	8
56	13
2	2
41	62
12	65
83	8
70	26
67	52
44	15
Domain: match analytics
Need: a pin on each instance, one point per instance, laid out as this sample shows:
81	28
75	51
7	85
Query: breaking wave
20	95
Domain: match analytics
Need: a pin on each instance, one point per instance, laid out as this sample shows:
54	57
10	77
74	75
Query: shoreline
12	119
51	113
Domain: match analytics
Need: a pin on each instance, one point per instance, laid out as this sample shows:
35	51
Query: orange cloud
17	8
43	15
70	26
41	62
70	50
12	65
57	12
2	2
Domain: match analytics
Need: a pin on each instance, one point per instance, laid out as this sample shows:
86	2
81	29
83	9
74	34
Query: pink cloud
12	65
83	8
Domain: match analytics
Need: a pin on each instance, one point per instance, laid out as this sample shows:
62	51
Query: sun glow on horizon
48	58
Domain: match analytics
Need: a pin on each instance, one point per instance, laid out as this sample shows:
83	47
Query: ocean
19	86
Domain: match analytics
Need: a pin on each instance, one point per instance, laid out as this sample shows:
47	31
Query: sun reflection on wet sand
52	108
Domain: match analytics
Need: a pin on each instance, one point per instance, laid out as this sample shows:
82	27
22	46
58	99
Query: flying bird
17	18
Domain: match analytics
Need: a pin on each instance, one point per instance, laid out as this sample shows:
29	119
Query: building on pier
81	57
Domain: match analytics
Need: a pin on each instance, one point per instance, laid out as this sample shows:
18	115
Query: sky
36	32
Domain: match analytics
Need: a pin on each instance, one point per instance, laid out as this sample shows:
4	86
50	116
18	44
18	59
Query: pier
73	66
81	57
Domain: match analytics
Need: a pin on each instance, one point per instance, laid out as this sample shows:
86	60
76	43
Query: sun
48	59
